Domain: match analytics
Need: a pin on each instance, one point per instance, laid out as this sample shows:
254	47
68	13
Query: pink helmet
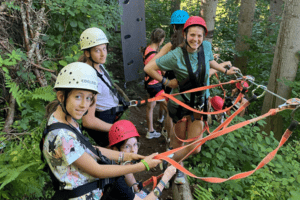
240	87
217	103
120	131
195	20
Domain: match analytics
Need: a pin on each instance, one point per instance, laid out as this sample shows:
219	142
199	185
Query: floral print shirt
61	149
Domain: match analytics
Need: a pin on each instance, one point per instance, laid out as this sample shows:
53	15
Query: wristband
225	72
146	164
167	83
163	80
162	182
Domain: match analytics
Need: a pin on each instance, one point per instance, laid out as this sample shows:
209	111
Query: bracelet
146	164
168	81
162	182
225	72
121	157
163	80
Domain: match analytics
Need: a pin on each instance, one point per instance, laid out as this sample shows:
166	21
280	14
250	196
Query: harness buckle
263	93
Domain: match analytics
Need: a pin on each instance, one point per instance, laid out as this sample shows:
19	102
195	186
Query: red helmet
120	131
217	103
240	87
195	20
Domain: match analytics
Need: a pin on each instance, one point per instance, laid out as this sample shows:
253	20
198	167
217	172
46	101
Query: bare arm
90	166
221	67
92	122
164	50
114	155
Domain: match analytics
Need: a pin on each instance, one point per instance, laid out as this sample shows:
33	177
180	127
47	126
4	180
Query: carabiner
262	94
132	103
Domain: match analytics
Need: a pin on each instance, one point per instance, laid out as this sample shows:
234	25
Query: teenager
80	170
194	32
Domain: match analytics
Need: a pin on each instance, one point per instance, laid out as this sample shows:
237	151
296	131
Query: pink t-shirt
149	49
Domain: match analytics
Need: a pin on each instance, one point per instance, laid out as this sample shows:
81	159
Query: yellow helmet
92	37
77	75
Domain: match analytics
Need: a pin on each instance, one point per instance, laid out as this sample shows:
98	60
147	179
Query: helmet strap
92	59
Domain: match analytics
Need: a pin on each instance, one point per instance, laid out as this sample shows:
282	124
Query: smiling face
98	53
131	145
78	103
194	37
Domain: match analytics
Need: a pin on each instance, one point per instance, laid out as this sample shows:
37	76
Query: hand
152	162
232	70
173	83
133	156
169	172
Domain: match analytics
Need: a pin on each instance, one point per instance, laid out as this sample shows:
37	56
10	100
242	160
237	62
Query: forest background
39	37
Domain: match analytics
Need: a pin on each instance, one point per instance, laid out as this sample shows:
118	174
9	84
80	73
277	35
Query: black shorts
154	89
177	112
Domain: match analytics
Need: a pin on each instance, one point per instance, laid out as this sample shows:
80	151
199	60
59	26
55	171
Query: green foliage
241	151
21	168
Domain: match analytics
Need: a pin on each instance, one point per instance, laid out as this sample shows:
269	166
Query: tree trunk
245	23
175	5
285	64
208	12
276	8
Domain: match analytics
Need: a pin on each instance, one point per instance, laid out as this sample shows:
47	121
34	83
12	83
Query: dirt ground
135	91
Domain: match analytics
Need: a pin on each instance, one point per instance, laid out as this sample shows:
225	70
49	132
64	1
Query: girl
104	112
73	161
194	32
123	136
152	86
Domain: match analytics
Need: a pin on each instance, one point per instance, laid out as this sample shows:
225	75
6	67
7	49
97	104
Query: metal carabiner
262	94
132	103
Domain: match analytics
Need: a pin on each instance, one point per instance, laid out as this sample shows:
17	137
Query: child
106	110
123	137
152	86
194	32
80	170
215	103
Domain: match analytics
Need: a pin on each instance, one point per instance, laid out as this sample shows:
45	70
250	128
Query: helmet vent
70	72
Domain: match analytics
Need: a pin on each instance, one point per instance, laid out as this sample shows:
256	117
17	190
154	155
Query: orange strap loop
268	158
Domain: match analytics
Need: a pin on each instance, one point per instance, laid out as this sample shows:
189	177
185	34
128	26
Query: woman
104	112
194	32
152	86
123	136
73	161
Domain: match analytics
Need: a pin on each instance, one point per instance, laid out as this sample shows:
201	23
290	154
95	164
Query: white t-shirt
105	99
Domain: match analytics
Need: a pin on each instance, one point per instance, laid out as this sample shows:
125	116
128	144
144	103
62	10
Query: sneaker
161	120
153	134
165	134
180	179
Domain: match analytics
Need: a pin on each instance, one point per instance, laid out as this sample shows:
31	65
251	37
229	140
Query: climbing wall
133	33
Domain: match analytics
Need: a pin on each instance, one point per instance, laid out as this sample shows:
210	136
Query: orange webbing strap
164	155
152	179
162	96
223	125
224	95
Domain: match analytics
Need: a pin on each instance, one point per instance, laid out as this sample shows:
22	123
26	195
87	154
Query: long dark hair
177	37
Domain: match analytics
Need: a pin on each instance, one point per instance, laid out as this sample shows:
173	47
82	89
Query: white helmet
77	75
92	37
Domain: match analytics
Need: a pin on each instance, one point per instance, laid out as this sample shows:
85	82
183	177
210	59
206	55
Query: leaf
63	63
73	24
14	173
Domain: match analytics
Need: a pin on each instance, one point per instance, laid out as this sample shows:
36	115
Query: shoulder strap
149	54
192	77
114	91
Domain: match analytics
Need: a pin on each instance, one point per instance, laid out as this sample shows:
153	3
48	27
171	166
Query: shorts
177	112
154	89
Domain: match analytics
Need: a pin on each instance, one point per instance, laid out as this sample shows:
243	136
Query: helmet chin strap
92	59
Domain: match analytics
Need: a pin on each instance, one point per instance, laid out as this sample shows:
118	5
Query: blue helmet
179	17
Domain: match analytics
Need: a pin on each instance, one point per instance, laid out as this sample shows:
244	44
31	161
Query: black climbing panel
133	33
